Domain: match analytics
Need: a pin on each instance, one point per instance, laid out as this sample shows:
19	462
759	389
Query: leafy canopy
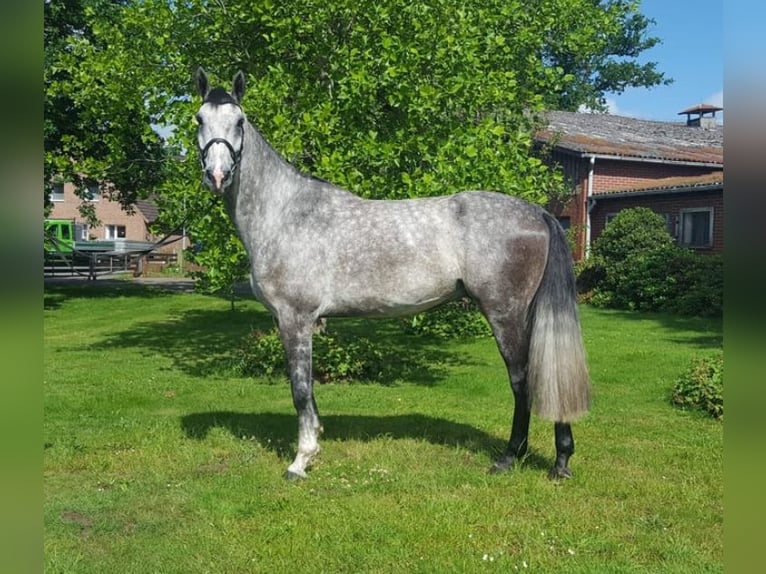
387	98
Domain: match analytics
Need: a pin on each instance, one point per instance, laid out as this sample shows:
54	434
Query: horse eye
198	117
240	122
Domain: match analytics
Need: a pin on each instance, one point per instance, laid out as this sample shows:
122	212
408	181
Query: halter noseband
235	155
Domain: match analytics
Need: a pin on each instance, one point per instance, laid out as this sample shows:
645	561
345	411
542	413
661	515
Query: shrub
262	355
632	231
591	273
459	319
636	265
701	386
334	358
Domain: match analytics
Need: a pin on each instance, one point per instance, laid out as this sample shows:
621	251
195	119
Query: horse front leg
296	337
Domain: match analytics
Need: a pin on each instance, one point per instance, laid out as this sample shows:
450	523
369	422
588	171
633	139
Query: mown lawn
159	458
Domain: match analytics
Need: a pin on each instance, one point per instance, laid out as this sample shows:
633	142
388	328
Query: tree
387	98
601	57
96	127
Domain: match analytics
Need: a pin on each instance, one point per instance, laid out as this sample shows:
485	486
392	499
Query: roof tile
606	134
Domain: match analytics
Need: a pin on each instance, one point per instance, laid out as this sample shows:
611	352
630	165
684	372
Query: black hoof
294	476
559	473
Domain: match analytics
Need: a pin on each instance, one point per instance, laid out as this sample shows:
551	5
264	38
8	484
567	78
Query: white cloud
611	108
715	99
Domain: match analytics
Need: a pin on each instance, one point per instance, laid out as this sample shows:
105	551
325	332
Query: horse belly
391	283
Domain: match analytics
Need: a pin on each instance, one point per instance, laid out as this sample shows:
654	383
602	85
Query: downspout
590	203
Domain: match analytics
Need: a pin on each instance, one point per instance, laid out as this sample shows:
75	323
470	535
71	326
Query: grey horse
318	251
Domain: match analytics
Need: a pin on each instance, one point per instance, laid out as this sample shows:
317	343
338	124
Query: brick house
116	223
614	163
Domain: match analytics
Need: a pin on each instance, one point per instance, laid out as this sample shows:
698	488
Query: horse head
220	131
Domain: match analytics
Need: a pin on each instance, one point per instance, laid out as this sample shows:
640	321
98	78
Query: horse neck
262	186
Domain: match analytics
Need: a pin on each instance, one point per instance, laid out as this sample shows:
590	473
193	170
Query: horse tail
557	373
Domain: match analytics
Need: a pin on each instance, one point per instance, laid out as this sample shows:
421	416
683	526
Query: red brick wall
575	170
662	204
108	212
624	174
612	174
111	213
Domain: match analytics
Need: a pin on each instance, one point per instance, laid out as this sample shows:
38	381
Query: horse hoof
502	466
293	476
558	473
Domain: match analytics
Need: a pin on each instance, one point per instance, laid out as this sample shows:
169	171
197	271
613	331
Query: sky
691	52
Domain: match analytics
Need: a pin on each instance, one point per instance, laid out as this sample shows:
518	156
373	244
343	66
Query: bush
701	386
636	265
459	319
632	231
334	358
262	355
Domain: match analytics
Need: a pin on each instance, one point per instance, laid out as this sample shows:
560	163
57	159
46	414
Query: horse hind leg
512	342
564	450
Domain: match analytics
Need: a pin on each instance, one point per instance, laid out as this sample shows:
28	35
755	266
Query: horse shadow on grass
277	431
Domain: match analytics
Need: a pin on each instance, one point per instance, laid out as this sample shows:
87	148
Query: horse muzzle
218	179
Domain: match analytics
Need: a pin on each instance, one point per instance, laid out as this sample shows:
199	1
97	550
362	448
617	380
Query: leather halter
235	155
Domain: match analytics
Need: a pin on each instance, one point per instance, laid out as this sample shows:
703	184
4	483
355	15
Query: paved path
178	284
181	284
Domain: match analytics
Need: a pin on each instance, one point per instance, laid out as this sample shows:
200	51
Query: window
696	227
57	193
670	226
115	231
94	193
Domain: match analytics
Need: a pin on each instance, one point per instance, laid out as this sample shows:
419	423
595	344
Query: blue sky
691	52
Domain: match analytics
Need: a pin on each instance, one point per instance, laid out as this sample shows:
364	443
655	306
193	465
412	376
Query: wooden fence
92	265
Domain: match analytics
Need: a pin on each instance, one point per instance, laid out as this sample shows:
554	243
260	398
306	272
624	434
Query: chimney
701	116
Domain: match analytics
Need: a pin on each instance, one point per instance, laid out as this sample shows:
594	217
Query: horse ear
200	81
238	87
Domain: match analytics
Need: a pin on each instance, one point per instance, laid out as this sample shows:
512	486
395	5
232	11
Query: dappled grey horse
317	251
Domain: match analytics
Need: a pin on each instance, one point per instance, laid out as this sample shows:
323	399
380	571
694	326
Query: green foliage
701	386
336	358
389	99
97	128
636	265
454	320
632	232
262	355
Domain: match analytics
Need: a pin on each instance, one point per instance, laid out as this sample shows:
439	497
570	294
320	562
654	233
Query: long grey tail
557	372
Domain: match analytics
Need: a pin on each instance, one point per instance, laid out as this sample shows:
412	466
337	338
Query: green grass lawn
159	458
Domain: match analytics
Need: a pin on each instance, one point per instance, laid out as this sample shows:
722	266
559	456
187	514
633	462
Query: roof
621	137
701	109
713	180
148	209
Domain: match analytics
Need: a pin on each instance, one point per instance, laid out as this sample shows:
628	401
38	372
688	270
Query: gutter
642	159
661	191
590	203
582	154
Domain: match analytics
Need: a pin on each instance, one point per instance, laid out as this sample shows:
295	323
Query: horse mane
219	96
